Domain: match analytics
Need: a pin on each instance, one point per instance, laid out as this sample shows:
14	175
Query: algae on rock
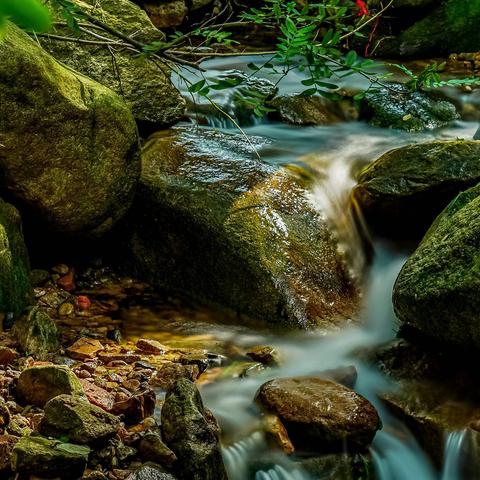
69	157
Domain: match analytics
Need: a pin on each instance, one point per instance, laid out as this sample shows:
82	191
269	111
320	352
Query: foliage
28	14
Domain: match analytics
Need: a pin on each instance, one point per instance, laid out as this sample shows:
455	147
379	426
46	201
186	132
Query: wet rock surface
320	415
207	207
192	434
436	291
403	191
60	172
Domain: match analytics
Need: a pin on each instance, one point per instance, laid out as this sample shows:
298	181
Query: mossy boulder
192	433
144	85
38	385
79	420
212	220
36	333
15	288
49	458
397	107
436	291
450	27
403	191
69	156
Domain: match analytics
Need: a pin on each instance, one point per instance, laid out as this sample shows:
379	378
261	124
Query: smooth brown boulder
320	415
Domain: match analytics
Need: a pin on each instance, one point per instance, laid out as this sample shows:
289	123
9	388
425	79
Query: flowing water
332	152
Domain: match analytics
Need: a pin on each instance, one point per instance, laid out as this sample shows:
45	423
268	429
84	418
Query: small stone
150	472
98	395
106	358
264	354
85	349
83	302
277	434
77	419
137	407
37	385
152	449
131	385
4	414
49	458
83	373
168	373
67	282
61	269
66	309
19	426
151	346
7	355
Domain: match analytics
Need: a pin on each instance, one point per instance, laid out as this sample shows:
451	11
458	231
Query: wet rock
150	346
339	466
396	107
276	434
36	333
15	288
67	281
127	358
145	87
136	407
301	110
167	14
85	349
191	434
150	471
66	176
448	28
49	458
39	277
436	291
66	309
7	355
265	355
77	419
152	449
320	415
207	207
98	396
7	443
38	385
403	191
168	373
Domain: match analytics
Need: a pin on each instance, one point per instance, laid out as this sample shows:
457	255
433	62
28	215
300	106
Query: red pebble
67	281
83	302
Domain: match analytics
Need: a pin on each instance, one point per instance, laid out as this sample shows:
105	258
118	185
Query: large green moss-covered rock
403	191
145	85
49	458
192	434
451	27
69	154
437	290
214	221
15	289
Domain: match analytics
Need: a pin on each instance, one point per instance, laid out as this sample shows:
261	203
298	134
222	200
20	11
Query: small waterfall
280	473
453	456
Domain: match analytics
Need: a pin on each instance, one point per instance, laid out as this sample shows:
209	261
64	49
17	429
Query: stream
332	151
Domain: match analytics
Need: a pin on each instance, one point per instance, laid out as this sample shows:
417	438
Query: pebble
151	346
66	309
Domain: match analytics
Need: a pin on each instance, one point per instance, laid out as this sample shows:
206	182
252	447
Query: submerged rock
320	415
214	221
397	107
150	471
76	418
437	290
144	85
36	333
38	385
192	433
69	153
15	288
403	191
49	458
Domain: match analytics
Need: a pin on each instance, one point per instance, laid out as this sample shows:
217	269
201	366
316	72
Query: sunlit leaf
28	14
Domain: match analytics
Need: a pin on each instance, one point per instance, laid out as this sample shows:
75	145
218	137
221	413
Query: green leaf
28	14
196	87
351	58
309	92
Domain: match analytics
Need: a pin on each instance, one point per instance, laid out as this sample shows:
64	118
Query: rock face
145	87
396	107
166	14
450	27
436	291
38	385
69	154
49	458
15	289
36	333
402	192
76	418
320	415
212	220
150	472
192	434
